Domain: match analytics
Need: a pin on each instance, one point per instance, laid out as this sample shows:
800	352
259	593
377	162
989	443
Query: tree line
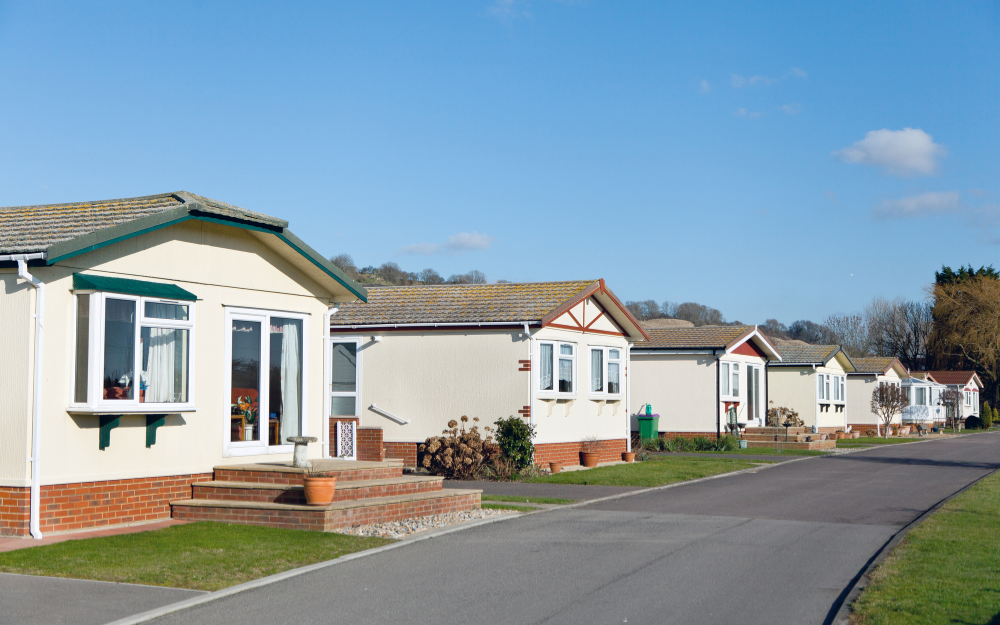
392	274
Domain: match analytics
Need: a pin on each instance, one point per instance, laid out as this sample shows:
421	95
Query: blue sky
785	160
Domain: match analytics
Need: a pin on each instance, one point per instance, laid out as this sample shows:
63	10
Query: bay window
133	353
605	371
557	367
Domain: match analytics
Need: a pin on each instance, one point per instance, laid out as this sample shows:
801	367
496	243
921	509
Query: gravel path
402	529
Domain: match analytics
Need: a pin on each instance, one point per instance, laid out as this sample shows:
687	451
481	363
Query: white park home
923	396
812	380
130	328
415	357
694	377
868	374
965	382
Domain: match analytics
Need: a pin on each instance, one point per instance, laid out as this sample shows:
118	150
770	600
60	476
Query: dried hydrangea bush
459	453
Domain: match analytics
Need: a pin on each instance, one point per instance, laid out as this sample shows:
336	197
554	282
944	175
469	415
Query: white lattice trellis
347	440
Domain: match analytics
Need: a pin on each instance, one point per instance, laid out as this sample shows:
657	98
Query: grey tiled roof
873	365
705	337
458	303
26	229
806	354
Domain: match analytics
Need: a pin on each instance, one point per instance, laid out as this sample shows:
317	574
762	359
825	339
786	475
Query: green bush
662	444
514	435
973	423
996	415
727	443
987	415
679	443
702	443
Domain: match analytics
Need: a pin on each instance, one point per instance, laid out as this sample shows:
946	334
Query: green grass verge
659	471
519	499
945	570
200	556
763	451
871	440
507	506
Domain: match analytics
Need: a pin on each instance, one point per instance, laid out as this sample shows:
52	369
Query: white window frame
554	392
733	374
260	447
968	398
605	361
96	403
819	387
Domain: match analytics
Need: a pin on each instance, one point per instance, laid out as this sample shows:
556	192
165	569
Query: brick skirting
569	453
407	452
14	503
84	505
370	444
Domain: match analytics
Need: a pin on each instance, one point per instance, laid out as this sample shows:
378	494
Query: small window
826	390
836	388
843	388
82	348
614	371
819	387
557	367
724	378
736	379
344	379
597	370
921	397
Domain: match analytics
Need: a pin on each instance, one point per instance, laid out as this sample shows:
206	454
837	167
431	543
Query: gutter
405	326
36	412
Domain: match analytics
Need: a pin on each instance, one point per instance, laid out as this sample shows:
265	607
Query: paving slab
576	492
33	600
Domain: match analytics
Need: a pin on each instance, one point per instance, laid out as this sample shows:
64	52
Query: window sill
132	409
555	396
608	398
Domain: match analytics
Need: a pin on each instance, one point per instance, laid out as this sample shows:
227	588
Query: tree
966	326
698	314
987	416
645	310
430	276
948	276
811	332
952	402
346	264
852	332
888	400
899	328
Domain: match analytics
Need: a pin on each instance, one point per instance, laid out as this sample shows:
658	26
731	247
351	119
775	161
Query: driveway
777	546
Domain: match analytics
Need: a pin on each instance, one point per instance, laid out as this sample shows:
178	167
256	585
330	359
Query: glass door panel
285	376
344	379
246	380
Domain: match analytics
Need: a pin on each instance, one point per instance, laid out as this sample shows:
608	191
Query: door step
258	492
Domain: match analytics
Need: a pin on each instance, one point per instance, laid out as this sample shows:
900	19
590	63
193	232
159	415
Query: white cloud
930	203
739	81
742	112
705	87
456	244
906	152
792	109
508	10
830	195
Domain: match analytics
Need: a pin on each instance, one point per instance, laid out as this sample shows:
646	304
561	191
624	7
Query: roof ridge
174	194
500	284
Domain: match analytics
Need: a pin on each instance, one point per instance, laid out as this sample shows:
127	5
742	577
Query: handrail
388	415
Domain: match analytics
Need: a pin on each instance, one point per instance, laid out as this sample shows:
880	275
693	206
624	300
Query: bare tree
899	328
346	264
888	400
430	276
852	334
698	314
952	402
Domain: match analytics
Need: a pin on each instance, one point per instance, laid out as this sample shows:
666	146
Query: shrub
458	453
987	416
680	444
514	439
662	444
973	423
727	443
702	443
778	417
996	415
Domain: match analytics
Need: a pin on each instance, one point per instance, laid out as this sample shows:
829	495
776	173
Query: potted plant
318	486
628	456
590	454
248	408
743	443
555	467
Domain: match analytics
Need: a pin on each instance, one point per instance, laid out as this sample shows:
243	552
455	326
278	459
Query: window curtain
596	370
159	372
545	375
291	379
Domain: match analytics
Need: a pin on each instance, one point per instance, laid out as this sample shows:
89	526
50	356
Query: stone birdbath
299	456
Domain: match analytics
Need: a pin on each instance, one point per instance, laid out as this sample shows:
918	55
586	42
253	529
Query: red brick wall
14	502
370	444
407	452
569	453
83	505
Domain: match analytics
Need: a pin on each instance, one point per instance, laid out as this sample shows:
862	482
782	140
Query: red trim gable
597	287
749	348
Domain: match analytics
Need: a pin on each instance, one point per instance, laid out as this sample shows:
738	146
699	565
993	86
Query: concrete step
294	493
284	473
336	516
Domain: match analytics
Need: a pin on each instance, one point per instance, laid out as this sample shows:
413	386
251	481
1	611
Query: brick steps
294	494
337	515
344	471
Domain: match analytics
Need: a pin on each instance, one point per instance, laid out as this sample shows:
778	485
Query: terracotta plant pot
855	434
319	490
555	467
841	436
589	458
628	456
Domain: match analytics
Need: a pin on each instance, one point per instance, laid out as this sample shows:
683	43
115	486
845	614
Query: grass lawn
871	440
507	506
519	499
763	451
658	471
945	570
200	556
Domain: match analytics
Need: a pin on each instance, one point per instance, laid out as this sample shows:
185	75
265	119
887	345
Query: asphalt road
32	600
776	546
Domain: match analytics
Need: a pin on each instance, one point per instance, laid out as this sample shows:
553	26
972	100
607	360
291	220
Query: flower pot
555	467
743	443
628	456
841	436
855	434
248	432
589	458
319	490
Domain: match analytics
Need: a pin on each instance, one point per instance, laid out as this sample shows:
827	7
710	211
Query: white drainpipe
36	412
628	397
531	375
326	379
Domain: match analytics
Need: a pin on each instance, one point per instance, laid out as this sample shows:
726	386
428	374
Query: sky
780	160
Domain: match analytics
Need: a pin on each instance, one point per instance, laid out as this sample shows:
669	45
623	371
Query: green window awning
83	282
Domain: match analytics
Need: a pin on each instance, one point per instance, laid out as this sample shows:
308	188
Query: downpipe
36	412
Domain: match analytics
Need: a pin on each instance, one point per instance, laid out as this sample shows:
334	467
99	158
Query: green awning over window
83	282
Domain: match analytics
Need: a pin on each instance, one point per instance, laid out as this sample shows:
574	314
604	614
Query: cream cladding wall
223	266
16	308
680	388
859	397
